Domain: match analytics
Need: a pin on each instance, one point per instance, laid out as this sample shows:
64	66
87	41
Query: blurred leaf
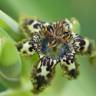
9	57
27	62
4	34
10	63
18	92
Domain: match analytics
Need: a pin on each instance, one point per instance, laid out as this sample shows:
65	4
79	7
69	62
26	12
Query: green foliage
11	64
15	68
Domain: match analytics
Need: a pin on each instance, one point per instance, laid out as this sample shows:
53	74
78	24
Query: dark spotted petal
43	73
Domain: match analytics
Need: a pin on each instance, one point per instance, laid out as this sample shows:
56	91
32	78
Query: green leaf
27	62
9	54
4	39
18	92
10	63
3	36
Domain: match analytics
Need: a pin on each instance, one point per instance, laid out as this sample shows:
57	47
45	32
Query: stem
10	26
13	24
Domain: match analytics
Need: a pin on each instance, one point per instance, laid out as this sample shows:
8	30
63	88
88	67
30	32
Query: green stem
10	26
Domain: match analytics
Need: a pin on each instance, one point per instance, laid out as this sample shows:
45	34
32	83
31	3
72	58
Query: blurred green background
52	10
